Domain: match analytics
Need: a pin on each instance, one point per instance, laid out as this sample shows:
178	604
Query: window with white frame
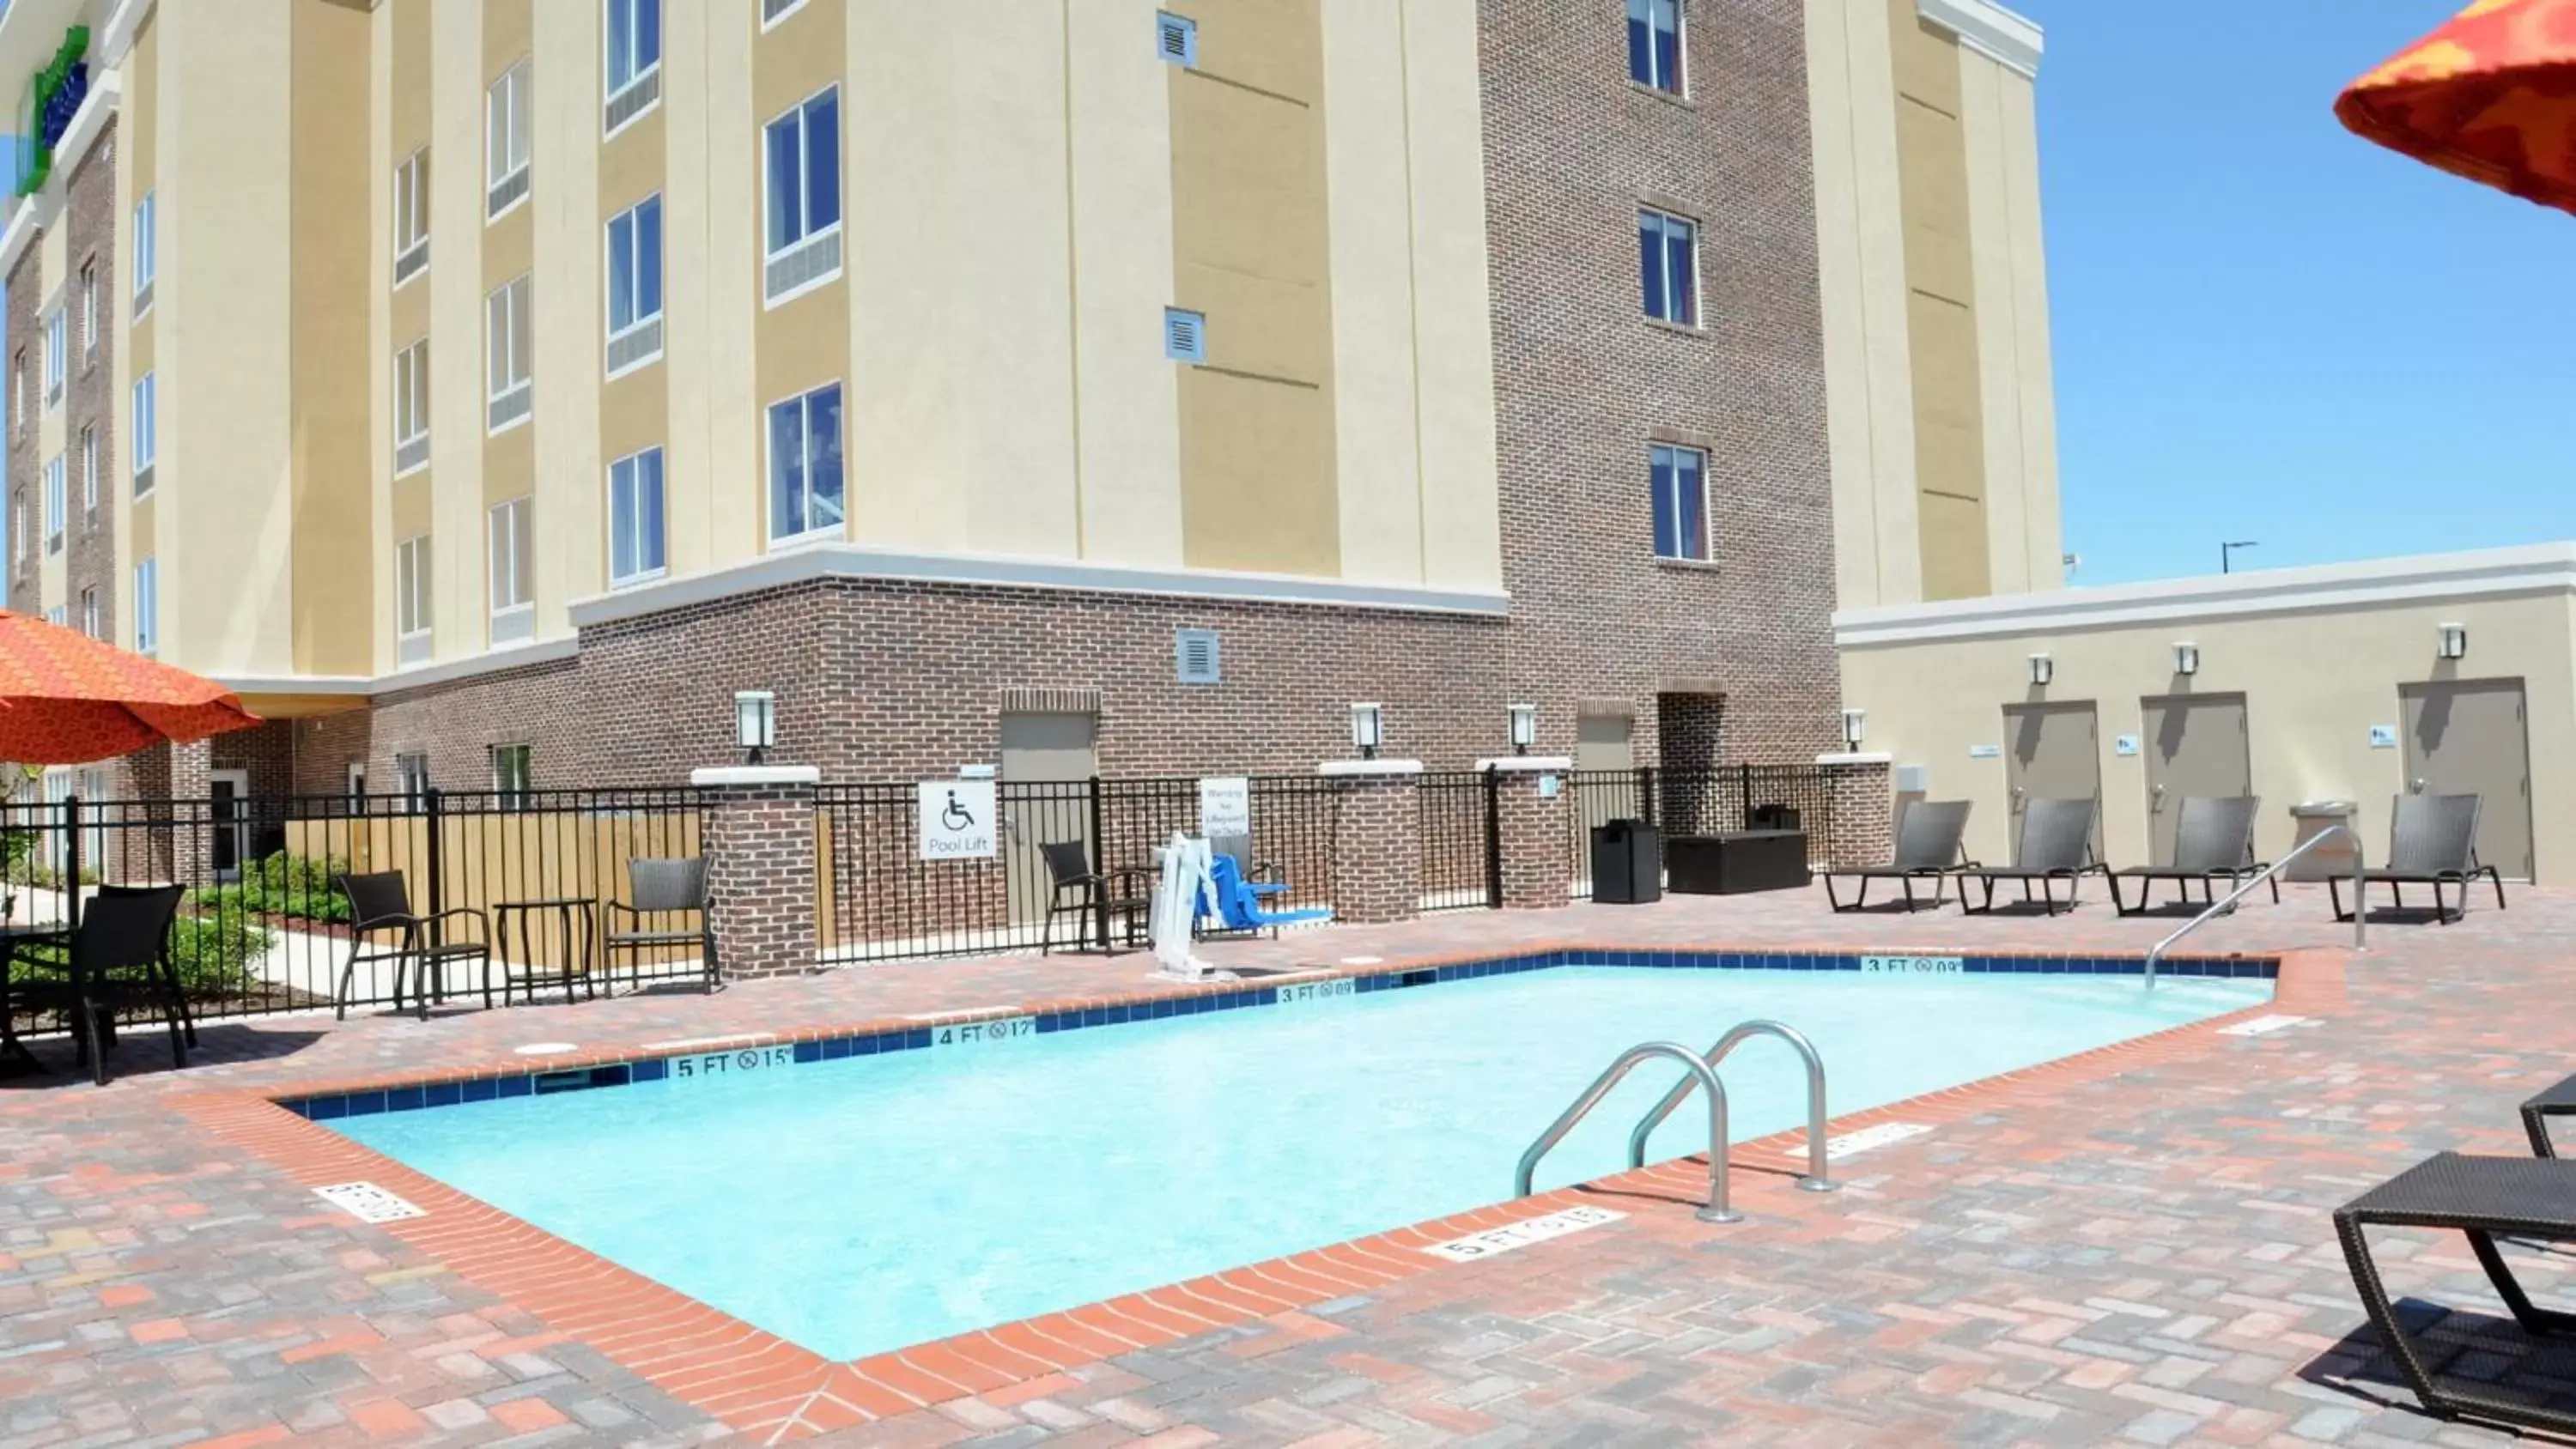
1668	258
802	183
411	407
147	606
1679	479
1655	44
635	285
411	600
54	504
506	346
89	474
55	615
411	776
411	216
505	139
513	571
18	390
144	431
57	356
89	613
512	775
805	464
89	311
635	545
632	38
146	254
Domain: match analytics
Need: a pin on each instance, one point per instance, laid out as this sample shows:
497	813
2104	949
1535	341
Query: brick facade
90	212
1377	853
25	409
1864	830
760	851
1538	865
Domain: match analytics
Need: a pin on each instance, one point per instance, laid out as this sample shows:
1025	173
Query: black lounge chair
2432	840
2482	1198
663	888
119	959
2213	842
1927	849
380	902
1075	889
2056	845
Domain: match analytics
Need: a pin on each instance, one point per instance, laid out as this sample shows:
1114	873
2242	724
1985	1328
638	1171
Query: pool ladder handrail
1817	1179
2360	907
1700	1074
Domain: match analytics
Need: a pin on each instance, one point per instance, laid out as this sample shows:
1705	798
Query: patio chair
2213	841
2056	845
1927	849
380	903
1239	908
1075	889
119	957
663	888
2432	840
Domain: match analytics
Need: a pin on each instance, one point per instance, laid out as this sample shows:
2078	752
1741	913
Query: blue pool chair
1238	901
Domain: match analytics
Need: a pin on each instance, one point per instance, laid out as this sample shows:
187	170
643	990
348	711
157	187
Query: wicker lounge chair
1927	849
2213	842
642	929
2433	840
2056	845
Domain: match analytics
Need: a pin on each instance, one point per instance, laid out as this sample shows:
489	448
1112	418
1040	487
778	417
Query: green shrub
281	885
213	954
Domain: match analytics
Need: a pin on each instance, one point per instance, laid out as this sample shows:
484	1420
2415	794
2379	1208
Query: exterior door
2466	737
229	842
2195	745
2054	753
1047	763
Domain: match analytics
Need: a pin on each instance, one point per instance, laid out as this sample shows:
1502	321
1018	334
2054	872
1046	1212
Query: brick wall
1377	857
760	849
90	214
26	494
1537	865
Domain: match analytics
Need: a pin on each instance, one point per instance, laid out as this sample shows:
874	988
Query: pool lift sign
957	819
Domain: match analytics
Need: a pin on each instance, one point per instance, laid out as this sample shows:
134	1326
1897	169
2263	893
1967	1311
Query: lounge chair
1927	849
379	902
2056	845
1239	907
663	888
2481	1198
2432	840
1075	889
2213	842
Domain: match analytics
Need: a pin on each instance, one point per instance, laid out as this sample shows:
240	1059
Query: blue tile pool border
756	1054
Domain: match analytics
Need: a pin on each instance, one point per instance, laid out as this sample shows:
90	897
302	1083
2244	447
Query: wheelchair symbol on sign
956	816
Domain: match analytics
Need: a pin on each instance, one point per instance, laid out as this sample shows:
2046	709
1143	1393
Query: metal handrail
1816	1179
2360	883
1717	1211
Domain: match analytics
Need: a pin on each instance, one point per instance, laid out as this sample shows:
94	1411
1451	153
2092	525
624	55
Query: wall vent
1176	37
1184	335
1194	656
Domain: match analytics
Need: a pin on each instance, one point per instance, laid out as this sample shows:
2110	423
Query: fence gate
1462	866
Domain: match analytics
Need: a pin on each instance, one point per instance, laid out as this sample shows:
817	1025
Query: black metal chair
1074	888
2056	845
380	902
2432	840
1927	849
119	957
2213	841
664	888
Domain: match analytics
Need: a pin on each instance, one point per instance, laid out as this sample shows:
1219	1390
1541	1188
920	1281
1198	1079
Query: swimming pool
907	1187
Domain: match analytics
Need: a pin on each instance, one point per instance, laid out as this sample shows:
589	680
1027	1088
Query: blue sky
2267	328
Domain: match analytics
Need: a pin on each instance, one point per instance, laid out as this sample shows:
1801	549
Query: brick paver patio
2132	1249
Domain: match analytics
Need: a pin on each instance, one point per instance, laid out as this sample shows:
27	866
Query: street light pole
2227	553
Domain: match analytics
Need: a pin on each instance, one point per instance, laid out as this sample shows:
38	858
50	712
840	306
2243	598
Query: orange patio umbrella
66	699
2490	96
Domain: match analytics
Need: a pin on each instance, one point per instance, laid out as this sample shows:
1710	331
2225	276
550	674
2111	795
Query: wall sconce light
2454	641
1855	727
2042	669
2186	659
1366	724
1524	728
755	722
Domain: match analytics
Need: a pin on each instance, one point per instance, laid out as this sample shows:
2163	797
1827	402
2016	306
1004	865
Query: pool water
864	1204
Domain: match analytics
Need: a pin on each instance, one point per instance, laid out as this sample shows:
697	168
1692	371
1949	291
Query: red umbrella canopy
66	699
2490	96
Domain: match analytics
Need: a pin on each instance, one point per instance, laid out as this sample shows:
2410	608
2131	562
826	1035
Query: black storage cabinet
1627	863
1739	863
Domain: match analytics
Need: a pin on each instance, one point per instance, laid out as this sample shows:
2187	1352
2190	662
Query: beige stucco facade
2319	655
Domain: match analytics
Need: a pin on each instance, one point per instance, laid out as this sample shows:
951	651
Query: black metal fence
1462	867
1072	861
263	928
1709	801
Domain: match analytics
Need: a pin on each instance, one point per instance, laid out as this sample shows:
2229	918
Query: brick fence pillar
1377	840
1861	792
1530	821
187	847
760	866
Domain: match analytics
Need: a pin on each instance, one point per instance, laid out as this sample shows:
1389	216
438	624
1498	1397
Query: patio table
575	914
15	1059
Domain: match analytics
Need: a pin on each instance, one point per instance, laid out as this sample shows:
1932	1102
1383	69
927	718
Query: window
18	390
773	11
635	286
506	347
505	140
58	353
634	44
1655	44
147	606
510	776
357	780
146	443
411	407
411	777
513	572
635	517
89	474
89	312
18	527
89	613
804	196
1680	481
146	251
411	600
1668	254
54	504
411	216
805	464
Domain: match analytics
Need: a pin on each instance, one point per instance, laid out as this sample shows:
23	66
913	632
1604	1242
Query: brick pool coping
764	1386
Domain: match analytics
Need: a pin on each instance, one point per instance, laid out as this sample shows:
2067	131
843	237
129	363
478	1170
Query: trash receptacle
2335	857
1627	863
